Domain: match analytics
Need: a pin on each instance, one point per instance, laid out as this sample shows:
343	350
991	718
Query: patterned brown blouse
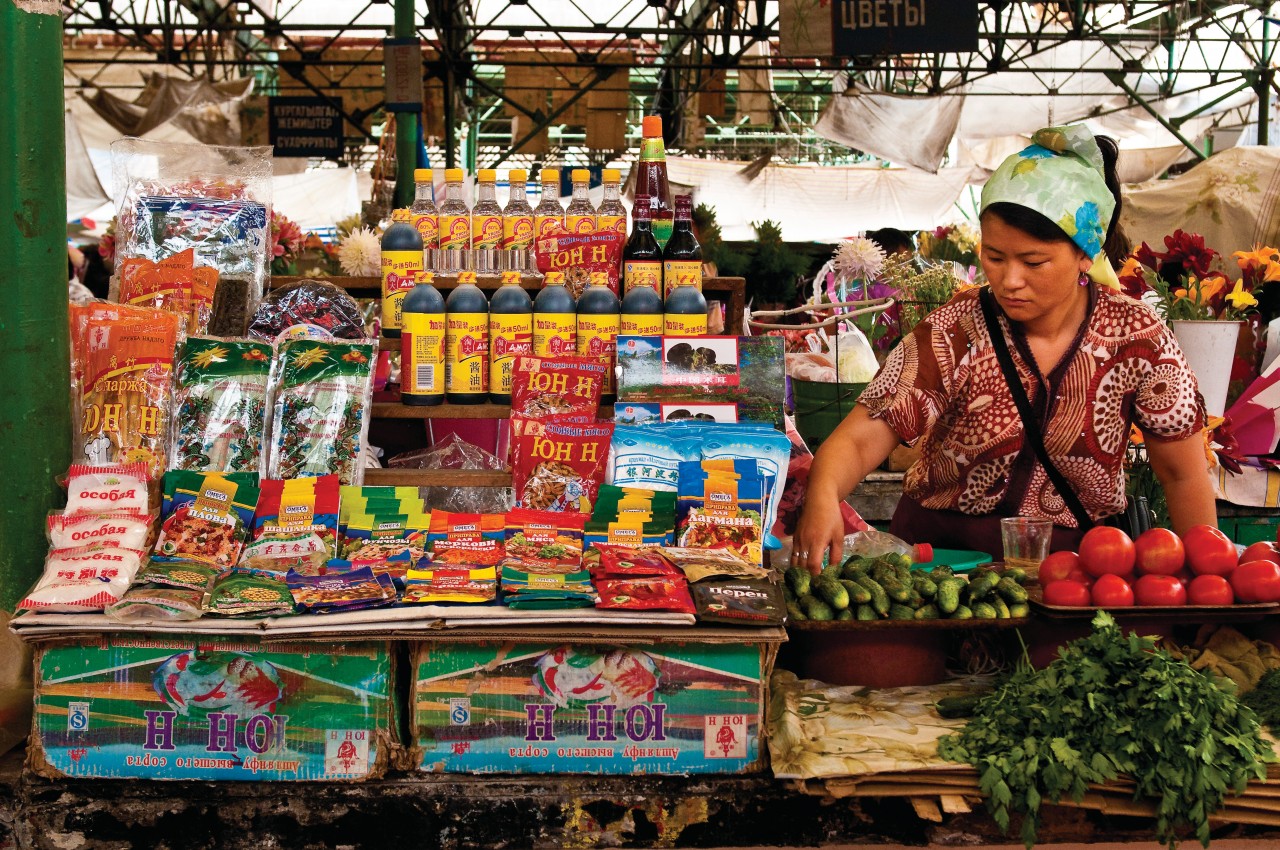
943	383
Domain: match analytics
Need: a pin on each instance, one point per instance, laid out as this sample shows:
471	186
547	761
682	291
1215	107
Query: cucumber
866	612
956	707
984	611
794	612
799	579
897	591
879	599
831	591
1010	590
1002	607
928	612
942	571
901	612
1018	574
948	596
815	609
964	612
925	586
854	568
981	585
1018	610
844	614
858	595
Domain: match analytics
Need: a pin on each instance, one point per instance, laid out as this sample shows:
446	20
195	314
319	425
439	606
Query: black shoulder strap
1030	428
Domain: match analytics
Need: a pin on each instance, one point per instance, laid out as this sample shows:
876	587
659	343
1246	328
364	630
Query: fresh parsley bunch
1111	704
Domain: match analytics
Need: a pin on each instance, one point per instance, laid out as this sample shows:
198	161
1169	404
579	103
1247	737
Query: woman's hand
821	527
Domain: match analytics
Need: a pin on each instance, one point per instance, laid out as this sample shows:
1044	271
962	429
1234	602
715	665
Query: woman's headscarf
1060	176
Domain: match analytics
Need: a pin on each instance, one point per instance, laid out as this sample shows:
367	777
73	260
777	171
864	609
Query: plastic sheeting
316	199
84	190
208	111
819	203
908	130
1232	199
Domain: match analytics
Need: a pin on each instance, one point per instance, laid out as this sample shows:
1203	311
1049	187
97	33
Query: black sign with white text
305	126
866	27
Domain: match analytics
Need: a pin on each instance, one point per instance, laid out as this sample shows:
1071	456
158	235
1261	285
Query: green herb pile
1265	700
1111	704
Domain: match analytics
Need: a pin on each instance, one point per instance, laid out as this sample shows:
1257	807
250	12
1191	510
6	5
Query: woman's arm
858	445
1184	473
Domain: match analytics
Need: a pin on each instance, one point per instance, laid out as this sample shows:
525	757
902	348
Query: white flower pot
1210	348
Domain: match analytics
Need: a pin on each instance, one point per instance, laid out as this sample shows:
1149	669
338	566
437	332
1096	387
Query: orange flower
1212	285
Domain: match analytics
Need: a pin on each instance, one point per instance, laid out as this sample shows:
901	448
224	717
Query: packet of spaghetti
558	467
556	386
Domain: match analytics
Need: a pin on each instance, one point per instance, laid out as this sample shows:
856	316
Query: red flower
1188	250
1149	258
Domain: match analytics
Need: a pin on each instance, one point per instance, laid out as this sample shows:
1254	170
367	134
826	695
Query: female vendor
1090	361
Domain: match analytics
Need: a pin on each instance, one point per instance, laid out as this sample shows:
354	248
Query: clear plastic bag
872	543
453	452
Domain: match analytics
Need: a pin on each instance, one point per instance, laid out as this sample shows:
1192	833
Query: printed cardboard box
178	707
553	707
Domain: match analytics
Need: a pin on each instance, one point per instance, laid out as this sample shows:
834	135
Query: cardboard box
682	705
181	707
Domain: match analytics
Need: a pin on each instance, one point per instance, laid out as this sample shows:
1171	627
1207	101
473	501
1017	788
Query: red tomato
1112	591
1062	566
1106	551
1159	552
1210	590
1073	594
1209	551
1159	590
1257	581
1263	550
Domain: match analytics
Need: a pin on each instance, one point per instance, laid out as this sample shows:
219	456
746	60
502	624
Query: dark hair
1116	244
891	239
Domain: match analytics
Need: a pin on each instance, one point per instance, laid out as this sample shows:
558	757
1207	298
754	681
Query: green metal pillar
406	122
35	417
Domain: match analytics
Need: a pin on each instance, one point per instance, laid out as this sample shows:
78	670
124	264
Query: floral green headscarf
1060	176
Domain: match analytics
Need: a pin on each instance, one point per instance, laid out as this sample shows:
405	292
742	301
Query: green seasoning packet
240	595
321	416
186	574
220	399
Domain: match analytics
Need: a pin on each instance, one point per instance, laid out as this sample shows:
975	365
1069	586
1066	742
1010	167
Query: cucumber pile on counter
887	587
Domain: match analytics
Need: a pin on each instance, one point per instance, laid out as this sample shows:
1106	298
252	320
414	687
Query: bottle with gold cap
548	213
611	214
426	218
510	334
598	323
401	259
555	318
517	225
466	355
455	224
422	344
580	216
486	224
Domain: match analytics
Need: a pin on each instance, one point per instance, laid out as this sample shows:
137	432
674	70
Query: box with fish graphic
177	707
674	708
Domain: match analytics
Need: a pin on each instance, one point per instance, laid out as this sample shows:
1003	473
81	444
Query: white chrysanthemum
858	259
360	254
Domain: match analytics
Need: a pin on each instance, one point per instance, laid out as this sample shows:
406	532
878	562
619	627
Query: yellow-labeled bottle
455	225
517	225
684	313
510	334
422	344
401	260
641	313
611	214
466	343
426	218
682	255
548	215
598	323
555	318
486	224
642	256
580	216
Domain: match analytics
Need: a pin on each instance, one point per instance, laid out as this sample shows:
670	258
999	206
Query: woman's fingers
837	543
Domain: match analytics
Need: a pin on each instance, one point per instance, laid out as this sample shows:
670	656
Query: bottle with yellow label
455	224
580	216
549	213
598	323
611	214
641	313
517	225
466	357
426	218
486	224
555	318
510	334
401	259
642	257
684	313
422	344
682	255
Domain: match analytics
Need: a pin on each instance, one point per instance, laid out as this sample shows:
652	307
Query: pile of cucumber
887	587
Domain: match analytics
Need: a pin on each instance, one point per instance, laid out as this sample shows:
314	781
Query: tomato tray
1188	613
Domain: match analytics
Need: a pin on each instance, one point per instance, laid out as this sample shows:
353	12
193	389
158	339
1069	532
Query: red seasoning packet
630	562
546	386
645	594
558	466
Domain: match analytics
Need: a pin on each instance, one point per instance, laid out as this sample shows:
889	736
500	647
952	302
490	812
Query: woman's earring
1084	279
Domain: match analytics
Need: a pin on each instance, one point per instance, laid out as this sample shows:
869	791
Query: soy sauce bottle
422	344
642	258
684	313
510	334
401	260
682	255
466	343
598	323
555	318
641	313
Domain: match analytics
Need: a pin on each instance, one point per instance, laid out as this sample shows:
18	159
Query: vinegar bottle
555	318
401	259
598	323
426	218
510	334
580	216
517	225
548	213
682	255
486	224
466	362
611	214
641	257
651	178
422	344
455	224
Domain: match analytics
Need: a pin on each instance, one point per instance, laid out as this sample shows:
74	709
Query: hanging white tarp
912	131
85	194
